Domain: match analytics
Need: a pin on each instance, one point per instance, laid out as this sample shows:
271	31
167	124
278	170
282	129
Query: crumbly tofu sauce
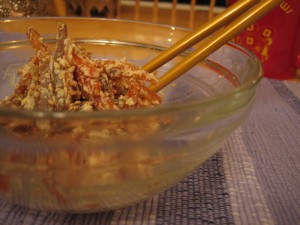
70	80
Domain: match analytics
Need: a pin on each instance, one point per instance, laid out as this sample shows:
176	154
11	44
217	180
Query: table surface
253	179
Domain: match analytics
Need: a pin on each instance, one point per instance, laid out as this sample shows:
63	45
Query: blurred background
180	12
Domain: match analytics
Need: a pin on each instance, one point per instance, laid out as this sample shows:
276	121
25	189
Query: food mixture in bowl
71	80
83	133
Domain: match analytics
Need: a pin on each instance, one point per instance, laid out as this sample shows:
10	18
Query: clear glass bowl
95	161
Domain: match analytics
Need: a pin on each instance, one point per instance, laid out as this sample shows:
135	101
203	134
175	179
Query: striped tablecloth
253	179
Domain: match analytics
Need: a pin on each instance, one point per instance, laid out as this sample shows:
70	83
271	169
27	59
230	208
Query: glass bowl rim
151	111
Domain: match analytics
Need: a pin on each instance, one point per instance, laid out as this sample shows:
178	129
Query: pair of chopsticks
231	22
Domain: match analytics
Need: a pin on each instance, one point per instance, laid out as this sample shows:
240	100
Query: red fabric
275	39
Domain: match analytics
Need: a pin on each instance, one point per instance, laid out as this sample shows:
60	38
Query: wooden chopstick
242	19
203	31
